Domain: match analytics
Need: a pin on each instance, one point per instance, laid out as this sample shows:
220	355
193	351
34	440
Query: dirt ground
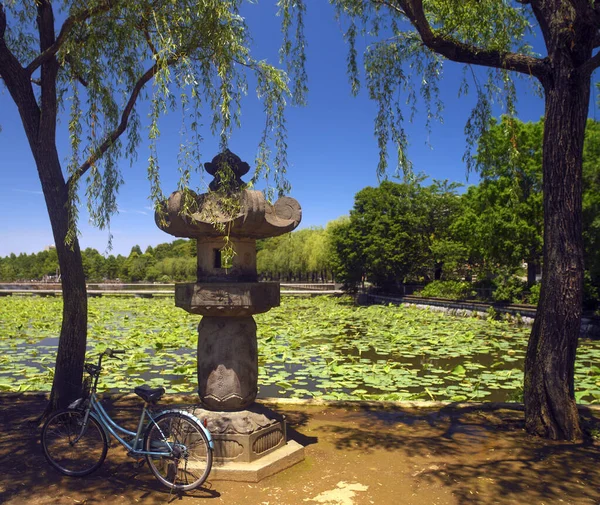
354	456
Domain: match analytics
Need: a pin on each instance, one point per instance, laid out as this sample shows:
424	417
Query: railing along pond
143	290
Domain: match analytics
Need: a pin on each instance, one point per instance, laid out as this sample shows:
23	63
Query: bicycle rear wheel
190	457
72	448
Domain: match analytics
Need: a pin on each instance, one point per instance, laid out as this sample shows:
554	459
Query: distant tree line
175	261
490	236
301	256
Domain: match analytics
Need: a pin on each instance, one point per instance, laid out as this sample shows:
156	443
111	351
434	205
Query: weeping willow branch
82	80
17	81
116	133
149	42
67	26
461	52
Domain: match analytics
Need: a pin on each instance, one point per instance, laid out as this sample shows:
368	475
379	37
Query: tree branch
149	42
82	80
117	132
18	84
49	71
596	14
67	26
590	65
540	11
2	21
461	52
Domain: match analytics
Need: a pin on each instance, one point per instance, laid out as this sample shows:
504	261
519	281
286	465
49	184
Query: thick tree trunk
73	336
550	409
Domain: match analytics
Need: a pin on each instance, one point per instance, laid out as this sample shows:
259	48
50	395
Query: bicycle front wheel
72	448
189	458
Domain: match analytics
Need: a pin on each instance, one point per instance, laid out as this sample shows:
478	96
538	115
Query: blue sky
332	152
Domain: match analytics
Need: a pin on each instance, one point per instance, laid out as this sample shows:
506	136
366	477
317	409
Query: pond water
309	347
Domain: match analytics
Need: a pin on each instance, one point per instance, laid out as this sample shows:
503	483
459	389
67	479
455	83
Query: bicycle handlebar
95	369
112	352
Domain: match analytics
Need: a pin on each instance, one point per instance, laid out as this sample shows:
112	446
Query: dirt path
356	456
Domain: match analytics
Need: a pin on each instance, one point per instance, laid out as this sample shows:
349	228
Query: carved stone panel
227	362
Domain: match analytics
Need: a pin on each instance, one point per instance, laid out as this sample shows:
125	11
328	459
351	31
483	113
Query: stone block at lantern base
275	462
221	299
250	444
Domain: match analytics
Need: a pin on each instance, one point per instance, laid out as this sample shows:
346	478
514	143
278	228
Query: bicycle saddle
149	394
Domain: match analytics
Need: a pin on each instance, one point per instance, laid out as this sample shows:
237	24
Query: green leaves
408	43
459	370
391	231
194	56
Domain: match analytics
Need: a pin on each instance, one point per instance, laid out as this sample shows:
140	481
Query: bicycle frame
96	409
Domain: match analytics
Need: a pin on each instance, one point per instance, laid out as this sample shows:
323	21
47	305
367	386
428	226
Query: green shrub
509	289
492	314
454	290
534	294
590	293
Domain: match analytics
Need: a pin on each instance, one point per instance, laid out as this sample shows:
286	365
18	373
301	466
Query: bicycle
177	446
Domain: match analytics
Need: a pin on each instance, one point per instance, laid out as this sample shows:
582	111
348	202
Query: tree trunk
550	409
437	271
73	335
531	272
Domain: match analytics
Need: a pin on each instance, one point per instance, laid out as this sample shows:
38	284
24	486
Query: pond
309	347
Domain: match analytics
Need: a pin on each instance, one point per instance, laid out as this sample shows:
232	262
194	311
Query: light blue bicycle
176	444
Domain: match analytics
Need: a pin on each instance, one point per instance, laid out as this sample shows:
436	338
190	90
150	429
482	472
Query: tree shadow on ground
26	477
482	456
296	421
480	453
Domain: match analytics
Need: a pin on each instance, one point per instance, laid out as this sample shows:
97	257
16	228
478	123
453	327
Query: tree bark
550	409
531	272
70	357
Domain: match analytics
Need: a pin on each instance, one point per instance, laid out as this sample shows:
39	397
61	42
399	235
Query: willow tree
414	38
94	60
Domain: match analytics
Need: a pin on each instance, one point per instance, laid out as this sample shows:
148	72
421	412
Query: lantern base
249	444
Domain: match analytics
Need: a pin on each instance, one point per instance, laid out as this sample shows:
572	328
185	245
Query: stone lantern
227	295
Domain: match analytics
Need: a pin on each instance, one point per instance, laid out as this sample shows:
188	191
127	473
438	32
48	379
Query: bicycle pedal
139	462
135	455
